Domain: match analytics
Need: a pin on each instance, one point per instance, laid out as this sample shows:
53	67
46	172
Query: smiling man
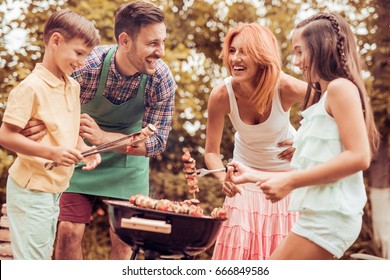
123	88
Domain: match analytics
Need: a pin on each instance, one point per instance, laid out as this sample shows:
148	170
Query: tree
379	170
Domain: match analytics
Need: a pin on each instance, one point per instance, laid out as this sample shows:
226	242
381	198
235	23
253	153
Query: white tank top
256	145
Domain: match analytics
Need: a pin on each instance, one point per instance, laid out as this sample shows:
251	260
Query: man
122	90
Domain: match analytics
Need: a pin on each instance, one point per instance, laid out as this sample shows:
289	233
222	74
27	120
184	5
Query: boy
51	96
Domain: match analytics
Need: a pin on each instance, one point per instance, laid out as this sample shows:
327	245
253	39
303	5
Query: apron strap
104	73
142	85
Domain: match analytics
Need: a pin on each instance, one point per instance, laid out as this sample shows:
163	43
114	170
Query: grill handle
146	225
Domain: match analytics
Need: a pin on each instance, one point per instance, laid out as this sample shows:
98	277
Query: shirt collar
49	77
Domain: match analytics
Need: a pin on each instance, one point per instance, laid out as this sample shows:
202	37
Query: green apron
118	175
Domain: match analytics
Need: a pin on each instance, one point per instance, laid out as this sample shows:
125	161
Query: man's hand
90	130
35	130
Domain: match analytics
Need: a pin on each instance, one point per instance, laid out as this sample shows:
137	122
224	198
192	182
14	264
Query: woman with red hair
257	97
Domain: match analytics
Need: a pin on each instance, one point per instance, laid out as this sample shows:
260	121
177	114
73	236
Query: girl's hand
238	173
275	186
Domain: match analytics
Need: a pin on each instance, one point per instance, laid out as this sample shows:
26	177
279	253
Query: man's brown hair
129	18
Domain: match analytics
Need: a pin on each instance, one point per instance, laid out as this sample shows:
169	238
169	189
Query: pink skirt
255	226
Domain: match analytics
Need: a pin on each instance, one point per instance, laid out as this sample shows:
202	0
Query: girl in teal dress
334	144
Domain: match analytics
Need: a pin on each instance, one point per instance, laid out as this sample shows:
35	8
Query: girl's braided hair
333	54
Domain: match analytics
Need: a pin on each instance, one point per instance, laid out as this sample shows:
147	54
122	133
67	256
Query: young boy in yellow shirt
50	95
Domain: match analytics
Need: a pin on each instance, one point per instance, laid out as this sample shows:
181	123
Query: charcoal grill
162	234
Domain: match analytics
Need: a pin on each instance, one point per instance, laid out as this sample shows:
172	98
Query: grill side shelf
146	225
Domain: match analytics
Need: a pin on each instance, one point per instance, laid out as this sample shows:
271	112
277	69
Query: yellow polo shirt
57	103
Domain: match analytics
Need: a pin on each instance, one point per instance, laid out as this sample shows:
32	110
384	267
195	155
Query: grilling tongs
128	140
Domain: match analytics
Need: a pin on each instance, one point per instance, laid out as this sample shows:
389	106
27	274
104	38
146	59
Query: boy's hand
65	156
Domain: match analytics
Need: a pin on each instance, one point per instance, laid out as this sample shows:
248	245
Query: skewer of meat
185	207
190	175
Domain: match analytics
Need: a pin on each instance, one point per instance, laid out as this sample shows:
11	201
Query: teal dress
118	175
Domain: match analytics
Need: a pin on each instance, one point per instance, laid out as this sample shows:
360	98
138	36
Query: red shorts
76	207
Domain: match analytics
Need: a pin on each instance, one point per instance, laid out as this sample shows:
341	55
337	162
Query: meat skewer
191	176
184	207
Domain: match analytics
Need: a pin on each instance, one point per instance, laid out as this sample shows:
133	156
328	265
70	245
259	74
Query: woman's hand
35	130
288	153
90	130
230	189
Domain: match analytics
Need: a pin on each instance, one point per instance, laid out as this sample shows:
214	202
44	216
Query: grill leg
187	256
135	252
151	255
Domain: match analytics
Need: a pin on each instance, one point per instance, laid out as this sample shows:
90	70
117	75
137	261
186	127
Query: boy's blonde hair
71	25
262	46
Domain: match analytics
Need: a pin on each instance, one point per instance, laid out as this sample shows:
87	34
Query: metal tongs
128	140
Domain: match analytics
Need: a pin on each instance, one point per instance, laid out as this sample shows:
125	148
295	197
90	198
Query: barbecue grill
162	234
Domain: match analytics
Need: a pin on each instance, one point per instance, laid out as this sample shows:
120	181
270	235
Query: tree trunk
379	170
380	199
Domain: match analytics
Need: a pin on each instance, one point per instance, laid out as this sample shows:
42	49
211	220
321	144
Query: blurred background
195	32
